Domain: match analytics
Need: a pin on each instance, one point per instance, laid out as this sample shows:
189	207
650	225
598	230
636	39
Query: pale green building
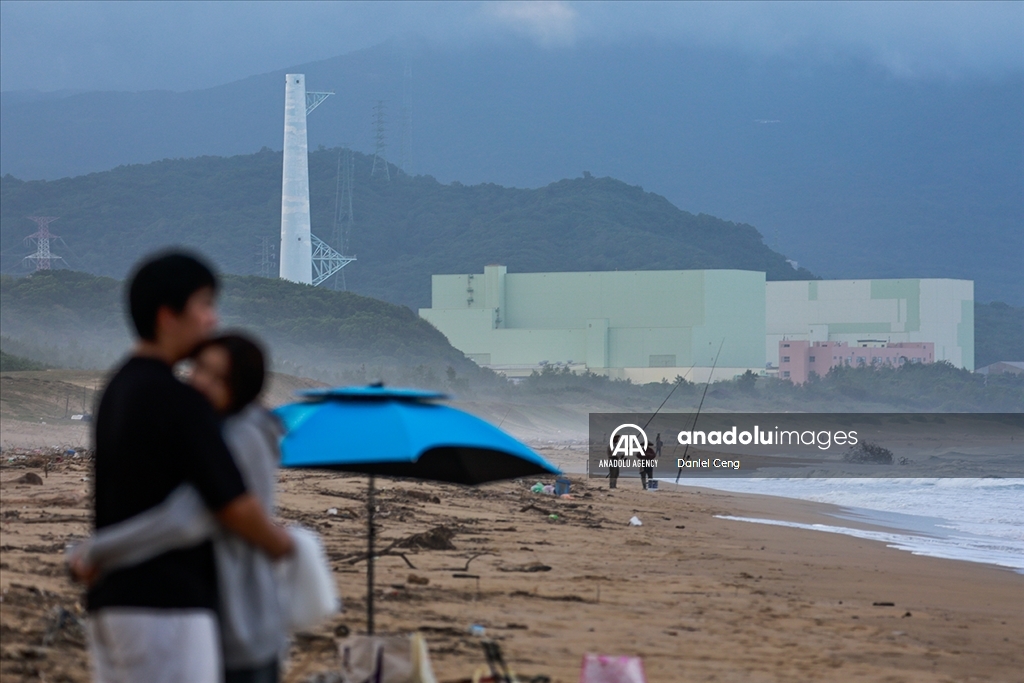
866	312
641	325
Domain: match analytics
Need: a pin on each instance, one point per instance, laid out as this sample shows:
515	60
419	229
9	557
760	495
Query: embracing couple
180	569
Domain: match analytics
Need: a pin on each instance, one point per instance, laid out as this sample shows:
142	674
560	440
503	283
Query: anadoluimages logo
630	443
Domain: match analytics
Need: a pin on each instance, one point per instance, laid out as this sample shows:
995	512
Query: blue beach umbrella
398	433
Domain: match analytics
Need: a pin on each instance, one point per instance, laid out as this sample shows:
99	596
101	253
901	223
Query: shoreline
925	536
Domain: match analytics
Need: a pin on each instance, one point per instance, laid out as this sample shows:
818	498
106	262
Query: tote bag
307	591
385	659
609	669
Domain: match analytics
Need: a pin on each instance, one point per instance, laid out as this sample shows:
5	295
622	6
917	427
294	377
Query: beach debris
463	575
866	452
557	598
612	669
465	568
537	488
26	652
324	677
477	631
683	526
417	580
420	495
332	511
553	517
883	604
635	521
438	538
64	622
530	567
531	506
906	614
30	478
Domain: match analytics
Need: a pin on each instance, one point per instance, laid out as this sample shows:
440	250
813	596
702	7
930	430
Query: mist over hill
66	319
405	230
71	319
842	166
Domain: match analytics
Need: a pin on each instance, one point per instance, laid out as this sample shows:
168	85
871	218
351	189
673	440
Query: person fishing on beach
613	470
646	473
155	620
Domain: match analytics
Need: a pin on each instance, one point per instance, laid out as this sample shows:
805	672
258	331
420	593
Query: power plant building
639	325
653	325
874	312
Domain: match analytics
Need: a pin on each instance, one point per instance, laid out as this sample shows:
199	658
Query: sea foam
977	520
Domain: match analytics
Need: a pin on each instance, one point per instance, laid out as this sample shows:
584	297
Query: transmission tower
43	258
343	217
380	164
405	141
266	256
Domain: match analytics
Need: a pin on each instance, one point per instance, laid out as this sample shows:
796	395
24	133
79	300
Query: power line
343	215
266	256
380	164
44	258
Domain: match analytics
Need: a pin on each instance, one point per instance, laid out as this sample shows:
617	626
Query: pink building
799	358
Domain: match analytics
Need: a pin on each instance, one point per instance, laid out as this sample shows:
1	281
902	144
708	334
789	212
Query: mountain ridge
405	230
860	175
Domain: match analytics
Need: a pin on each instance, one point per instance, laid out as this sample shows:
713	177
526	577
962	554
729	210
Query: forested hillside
405	230
72	319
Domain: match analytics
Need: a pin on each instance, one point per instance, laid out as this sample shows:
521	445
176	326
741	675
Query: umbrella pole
369	558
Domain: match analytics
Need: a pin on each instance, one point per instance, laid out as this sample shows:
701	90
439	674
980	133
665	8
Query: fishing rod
700	405
678	382
506	415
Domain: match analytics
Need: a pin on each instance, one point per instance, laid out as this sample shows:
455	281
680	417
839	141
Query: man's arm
245	517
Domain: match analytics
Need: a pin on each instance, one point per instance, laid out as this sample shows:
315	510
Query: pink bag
611	669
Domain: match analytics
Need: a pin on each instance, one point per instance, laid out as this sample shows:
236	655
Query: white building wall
940	311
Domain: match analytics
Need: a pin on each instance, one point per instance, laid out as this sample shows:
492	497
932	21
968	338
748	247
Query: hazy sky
187	45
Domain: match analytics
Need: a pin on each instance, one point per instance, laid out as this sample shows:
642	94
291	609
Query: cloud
186	45
911	39
548	22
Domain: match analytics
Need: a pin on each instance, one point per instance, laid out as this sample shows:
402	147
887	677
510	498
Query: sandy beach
697	597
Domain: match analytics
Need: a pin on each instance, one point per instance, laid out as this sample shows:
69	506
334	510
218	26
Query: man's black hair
168	279
246	367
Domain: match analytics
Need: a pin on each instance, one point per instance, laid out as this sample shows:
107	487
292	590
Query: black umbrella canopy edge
448	464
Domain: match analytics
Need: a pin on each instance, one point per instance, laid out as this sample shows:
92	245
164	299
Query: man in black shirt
156	621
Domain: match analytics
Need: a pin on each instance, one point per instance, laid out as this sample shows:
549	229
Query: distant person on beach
613	472
647	473
657	445
156	621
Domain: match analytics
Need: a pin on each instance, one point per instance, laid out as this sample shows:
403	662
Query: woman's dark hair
167	279
246	367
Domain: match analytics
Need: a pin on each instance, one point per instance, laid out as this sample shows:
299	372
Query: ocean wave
982	520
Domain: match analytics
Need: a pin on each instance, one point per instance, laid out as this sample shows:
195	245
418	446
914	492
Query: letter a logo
631	443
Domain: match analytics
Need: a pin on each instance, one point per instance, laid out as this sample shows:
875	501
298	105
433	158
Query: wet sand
698	598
